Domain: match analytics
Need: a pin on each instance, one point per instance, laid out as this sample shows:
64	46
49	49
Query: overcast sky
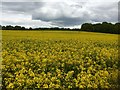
61	13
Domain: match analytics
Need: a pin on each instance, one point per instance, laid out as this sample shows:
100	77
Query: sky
57	13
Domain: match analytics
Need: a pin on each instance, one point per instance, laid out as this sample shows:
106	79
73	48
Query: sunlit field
57	59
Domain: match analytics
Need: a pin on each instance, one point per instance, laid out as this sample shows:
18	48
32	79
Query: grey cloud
62	14
79	13
119	11
19	7
66	21
65	13
104	12
21	0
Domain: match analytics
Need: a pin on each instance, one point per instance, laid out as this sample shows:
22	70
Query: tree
30	28
117	28
9	27
17	28
87	27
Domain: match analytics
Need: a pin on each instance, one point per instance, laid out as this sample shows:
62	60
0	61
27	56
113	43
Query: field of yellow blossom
57	59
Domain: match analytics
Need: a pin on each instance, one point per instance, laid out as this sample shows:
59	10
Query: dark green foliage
103	28
87	27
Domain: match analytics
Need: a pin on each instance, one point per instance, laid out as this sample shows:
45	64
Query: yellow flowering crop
39	59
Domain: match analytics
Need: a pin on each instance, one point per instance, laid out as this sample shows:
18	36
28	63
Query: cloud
64	14
23	20
58	0
67	13
20	7
103	11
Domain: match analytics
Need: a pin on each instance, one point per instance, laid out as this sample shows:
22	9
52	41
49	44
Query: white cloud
23	20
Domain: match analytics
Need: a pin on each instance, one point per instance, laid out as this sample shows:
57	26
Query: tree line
10	27
103	27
